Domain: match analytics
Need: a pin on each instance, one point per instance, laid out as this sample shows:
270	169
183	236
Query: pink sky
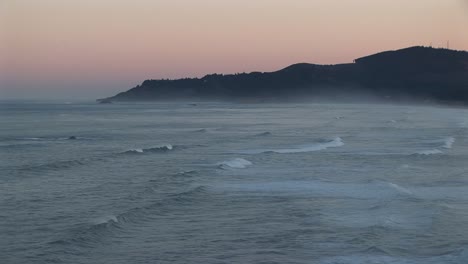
94	48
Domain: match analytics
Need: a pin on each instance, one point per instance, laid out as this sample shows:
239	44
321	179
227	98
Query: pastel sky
95	48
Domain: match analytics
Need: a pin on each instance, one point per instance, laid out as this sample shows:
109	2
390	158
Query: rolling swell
58	165
94	233
264	134
68	164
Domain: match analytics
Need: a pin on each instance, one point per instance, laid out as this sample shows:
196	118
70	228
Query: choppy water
233	183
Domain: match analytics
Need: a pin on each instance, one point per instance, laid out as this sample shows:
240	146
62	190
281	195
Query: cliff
415	73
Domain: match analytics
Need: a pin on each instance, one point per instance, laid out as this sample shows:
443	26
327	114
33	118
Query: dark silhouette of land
419	74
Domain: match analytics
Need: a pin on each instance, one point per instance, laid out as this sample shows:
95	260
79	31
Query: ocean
233	183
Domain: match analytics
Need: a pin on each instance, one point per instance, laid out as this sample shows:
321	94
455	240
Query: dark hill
416	74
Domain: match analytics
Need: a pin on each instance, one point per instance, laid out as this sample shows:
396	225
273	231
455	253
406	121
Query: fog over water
233	183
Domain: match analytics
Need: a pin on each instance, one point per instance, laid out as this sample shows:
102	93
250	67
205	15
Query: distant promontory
420	74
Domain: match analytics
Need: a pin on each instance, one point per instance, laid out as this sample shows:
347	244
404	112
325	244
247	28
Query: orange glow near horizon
117	43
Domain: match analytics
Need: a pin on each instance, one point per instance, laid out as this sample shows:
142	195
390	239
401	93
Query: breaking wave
68	164
106	219
429	152
446	143
162	148
237	163
337	142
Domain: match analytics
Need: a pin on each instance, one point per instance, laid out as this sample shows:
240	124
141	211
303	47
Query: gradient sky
95	48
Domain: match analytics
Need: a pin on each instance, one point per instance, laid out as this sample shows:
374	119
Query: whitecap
138	150
106	219
32	138
237	163
429	152
160	148
337	142
448	142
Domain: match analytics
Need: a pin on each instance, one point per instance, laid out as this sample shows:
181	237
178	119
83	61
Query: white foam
106	219
237	163
165	146
138	150
429	152
154	149
448	142
337	142
410	167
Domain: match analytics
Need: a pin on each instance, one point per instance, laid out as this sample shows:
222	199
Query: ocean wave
445	143
463	124
188	196
67	164
92	232
134	151
32	138
264	134
106	219
375	190
237	163
429	152
144	212
20	145
162	148
37	141
53	138
336	142
188	173
399	188
448	142
456	257
57	165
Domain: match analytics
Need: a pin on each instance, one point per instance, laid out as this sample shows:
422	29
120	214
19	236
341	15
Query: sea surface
233	183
